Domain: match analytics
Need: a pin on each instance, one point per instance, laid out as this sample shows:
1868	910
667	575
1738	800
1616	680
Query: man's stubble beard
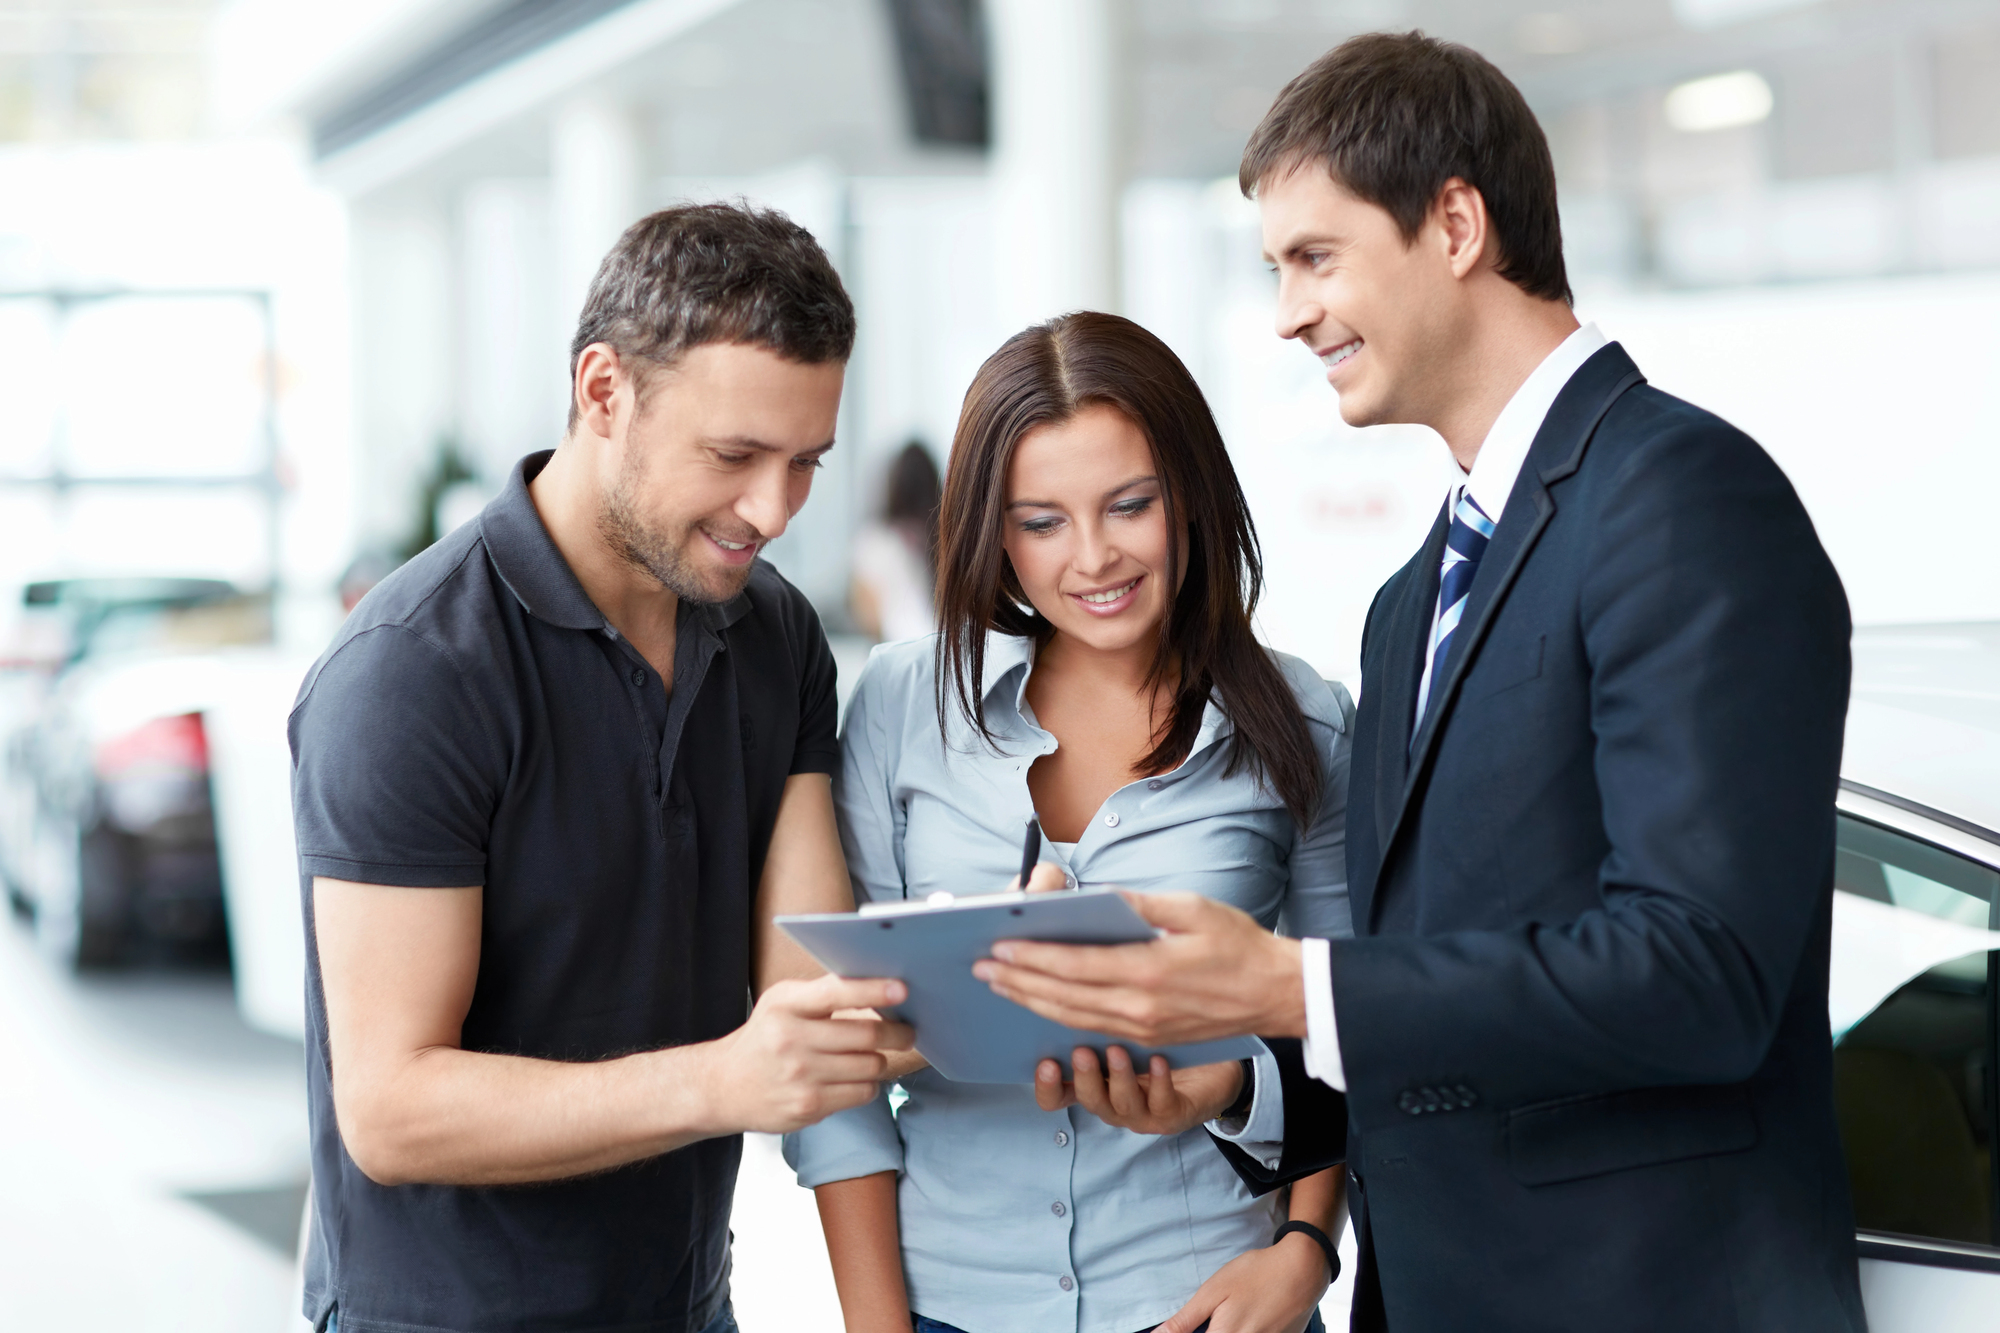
661	555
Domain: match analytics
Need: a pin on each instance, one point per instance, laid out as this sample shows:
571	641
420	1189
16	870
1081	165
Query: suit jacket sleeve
1315	1126
1716	636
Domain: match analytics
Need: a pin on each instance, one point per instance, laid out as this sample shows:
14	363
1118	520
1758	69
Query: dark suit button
1432	1102
1467	1098
1410	1103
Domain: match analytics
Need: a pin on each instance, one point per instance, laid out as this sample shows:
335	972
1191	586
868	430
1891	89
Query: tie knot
1470	528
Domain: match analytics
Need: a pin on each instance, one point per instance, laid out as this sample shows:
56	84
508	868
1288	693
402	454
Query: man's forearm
453	1117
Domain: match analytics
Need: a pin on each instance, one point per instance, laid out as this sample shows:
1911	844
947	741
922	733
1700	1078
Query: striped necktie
1463	546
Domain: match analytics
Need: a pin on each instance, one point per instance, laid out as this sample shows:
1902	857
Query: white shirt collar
1506	446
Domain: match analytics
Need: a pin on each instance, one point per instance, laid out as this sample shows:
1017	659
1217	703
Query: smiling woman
1095	401
1095	668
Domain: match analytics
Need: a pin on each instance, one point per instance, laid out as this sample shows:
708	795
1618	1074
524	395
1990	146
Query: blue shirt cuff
857	1142
1261	1133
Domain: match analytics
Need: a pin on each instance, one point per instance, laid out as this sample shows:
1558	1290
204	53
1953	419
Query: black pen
1031	850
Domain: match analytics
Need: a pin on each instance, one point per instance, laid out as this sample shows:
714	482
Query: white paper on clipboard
968	1033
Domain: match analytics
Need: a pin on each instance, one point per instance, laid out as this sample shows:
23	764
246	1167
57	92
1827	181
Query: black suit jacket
1584	1016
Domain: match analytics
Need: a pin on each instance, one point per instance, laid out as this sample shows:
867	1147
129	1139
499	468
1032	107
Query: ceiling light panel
1719	102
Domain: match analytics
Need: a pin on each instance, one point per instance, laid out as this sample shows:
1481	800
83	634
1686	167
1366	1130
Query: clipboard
968	1033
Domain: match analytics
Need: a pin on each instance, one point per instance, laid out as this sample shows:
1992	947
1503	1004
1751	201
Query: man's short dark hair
714	273
1393	116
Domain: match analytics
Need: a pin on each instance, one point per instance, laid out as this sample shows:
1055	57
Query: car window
1913	1081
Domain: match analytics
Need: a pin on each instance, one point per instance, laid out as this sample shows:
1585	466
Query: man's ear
599	377
1460	215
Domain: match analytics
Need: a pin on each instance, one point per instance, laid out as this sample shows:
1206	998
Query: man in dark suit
1576	1056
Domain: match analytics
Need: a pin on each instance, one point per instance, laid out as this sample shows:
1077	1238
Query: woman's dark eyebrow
1051	504
1126	486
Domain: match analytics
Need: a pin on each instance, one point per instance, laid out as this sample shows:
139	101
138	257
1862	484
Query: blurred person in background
362	574
895	556
1098	570
553	780
1575	1055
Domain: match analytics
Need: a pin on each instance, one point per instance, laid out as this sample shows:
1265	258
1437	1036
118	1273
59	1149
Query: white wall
923	293
406	358
1881	400
513	373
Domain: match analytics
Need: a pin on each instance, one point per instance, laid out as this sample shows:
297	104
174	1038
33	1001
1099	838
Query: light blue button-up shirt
1014	1219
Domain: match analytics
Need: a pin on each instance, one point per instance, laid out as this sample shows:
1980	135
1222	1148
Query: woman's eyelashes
1044	524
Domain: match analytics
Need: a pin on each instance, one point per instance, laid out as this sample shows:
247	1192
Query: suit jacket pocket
1593	1136
1498	669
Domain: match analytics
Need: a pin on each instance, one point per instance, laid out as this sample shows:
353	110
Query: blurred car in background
107	823
1915	992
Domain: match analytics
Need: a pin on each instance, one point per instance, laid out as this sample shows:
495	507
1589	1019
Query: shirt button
1111	820
1155	785
1062	1138
1066	1283
1057	1208
1069	881
638	676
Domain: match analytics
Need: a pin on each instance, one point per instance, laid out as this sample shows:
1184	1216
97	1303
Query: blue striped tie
1463	546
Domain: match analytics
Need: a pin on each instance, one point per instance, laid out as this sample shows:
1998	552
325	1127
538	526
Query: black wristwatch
1324	1241
1245	1097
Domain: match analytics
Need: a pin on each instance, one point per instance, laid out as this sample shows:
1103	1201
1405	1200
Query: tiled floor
144	1133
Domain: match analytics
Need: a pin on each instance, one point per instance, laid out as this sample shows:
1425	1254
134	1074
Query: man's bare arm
806	871
398	967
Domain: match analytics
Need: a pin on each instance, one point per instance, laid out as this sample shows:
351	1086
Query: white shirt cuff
1261	1133
1322	1044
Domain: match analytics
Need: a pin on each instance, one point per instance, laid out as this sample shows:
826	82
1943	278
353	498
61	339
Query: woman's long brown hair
1045	376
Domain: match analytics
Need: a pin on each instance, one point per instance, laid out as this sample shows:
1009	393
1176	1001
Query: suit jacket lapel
1392	668
1556	453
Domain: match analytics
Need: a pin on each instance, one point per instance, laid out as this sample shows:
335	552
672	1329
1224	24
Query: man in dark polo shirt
552	782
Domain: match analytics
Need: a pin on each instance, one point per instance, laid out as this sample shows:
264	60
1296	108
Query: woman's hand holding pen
1160	1101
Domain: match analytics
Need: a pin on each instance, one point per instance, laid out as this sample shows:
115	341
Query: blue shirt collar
1009	659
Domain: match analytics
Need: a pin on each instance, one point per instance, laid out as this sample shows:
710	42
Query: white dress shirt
1494	470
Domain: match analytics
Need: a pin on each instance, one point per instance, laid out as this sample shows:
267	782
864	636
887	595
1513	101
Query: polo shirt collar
526	558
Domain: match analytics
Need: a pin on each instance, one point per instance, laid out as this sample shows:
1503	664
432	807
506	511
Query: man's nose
764	506
1296	314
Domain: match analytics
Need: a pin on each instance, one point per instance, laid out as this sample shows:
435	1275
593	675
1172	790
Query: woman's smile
1109	601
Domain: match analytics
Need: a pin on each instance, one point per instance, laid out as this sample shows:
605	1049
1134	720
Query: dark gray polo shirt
477	721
